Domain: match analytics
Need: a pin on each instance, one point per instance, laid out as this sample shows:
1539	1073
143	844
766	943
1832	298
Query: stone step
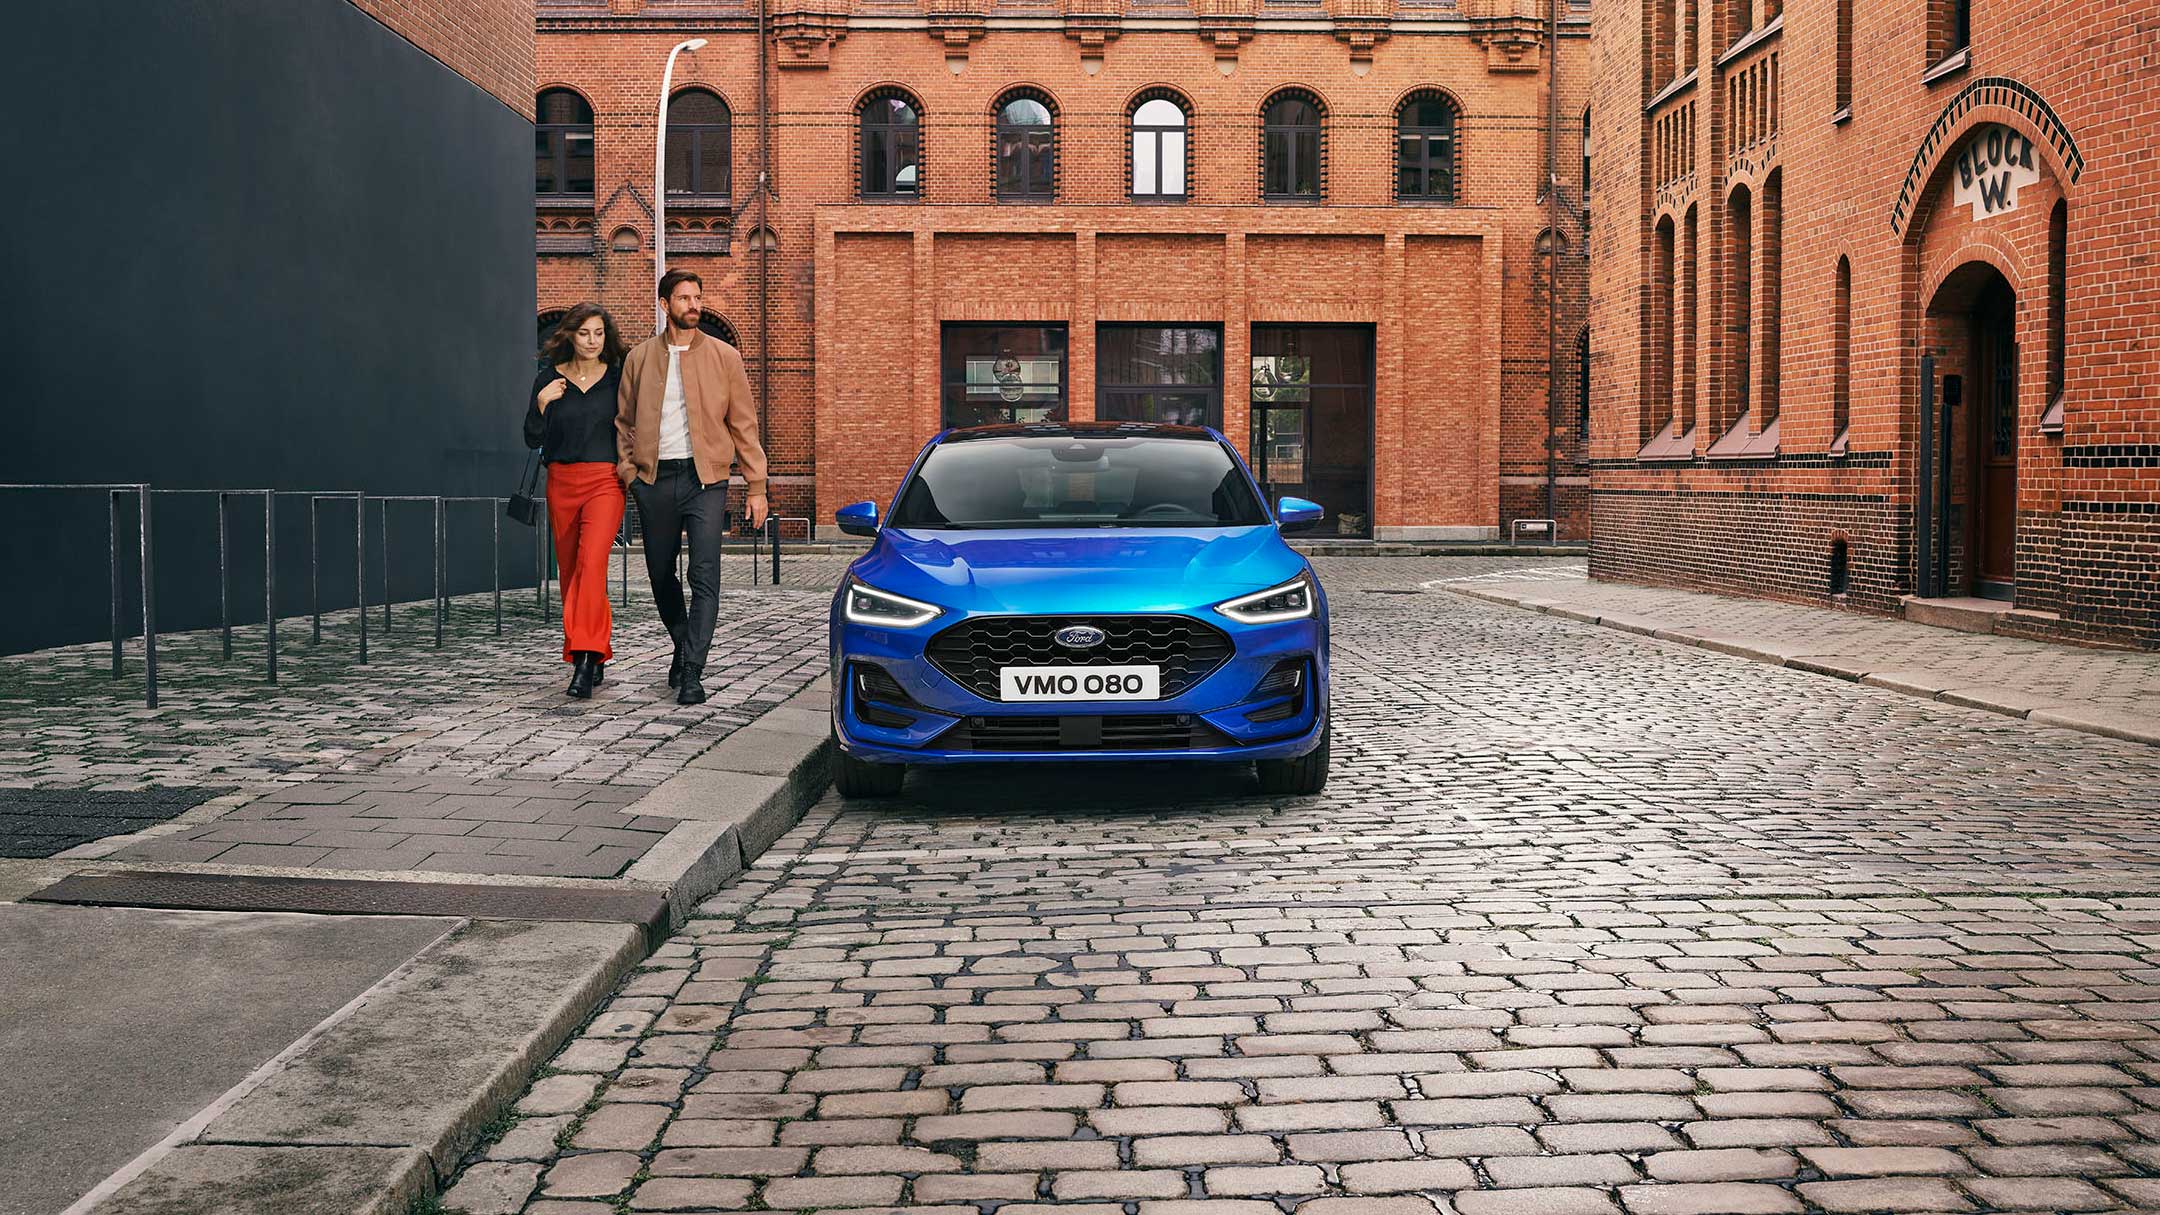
1967	615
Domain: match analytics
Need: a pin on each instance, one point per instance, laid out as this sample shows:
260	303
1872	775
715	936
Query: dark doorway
1992	521
1159	373
1312	419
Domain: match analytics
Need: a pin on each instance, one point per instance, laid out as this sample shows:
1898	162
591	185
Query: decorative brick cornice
957	23
1511	31
1362	24
1225	24
804	31
1093	23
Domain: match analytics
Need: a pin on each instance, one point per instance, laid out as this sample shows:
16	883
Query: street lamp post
659	173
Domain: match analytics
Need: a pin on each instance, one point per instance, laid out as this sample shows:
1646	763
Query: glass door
1312	419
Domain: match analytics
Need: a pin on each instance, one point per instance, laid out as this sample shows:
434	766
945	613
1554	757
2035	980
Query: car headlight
1293	600
868	605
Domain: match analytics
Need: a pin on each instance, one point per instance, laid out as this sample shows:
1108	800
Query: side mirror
1297	514
859	519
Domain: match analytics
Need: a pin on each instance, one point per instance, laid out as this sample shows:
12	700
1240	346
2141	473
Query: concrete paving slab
441	1047
1997	700
119	1024
234	1180
2132	727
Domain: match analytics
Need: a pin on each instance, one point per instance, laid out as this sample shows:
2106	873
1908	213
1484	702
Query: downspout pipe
1552	273
763	233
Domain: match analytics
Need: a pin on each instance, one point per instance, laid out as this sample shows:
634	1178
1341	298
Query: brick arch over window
1135	145
1988	99
712	324
1280	135
1031	156
876	118
1428	123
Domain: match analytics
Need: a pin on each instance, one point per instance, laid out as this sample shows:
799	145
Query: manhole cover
350	896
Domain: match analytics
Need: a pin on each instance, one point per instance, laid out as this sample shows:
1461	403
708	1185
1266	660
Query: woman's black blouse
579	428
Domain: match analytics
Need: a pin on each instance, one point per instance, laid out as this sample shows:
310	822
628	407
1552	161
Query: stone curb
2039	710
377	1110
735	800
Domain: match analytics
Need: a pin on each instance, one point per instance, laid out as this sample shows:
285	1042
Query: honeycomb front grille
972	652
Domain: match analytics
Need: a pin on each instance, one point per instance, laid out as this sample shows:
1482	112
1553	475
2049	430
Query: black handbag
524	505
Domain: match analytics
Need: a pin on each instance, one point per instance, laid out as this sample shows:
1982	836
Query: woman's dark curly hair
558	348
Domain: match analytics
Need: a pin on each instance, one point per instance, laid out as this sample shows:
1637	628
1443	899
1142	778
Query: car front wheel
1304	775
855	778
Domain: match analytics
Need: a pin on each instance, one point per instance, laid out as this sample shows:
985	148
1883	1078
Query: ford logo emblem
1078	637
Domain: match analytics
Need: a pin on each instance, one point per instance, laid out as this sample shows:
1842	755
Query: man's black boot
691	691
674	667
581	675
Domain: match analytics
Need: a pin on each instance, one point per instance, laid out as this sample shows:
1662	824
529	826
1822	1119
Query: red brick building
1319	224
1876	308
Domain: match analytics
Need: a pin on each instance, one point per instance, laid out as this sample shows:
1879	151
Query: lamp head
695	44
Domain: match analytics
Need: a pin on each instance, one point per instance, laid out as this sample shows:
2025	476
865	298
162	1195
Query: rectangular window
1158	373
1003	373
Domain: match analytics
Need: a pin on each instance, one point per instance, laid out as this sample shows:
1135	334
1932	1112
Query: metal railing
146	563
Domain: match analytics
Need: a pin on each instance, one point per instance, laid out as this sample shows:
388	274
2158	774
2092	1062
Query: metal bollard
440	600
224	582
386	567
359	580
495	563
314	569
772	524
149	595
112	545
270	584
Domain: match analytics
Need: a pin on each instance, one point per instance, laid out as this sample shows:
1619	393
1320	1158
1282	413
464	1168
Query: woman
571	419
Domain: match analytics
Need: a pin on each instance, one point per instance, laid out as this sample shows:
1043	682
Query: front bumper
951	724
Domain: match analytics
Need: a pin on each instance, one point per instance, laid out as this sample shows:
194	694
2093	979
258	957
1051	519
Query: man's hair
676	278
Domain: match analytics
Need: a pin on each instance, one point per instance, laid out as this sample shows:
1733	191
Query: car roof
1076	430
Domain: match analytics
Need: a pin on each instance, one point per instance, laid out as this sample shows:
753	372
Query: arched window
891	148
1739	301
2058	304
548	321
1425	149
1770	301
1841	356
713	325
1158	150
1290	148
563	137
1026	149
697	145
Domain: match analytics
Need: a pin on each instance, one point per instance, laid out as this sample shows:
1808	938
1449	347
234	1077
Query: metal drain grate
349	896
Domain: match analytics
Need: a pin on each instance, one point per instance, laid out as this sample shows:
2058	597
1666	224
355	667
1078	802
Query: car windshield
1065	481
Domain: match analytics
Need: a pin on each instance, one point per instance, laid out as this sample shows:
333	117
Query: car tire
1307	774
855	778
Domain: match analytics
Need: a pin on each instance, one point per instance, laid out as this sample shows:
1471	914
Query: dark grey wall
251	243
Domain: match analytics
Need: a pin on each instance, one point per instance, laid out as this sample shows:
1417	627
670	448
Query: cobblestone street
1585	922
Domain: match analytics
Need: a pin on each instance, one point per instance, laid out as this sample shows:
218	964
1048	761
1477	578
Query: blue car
1079	592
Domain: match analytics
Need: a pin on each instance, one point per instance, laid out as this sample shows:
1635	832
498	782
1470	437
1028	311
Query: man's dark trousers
672	502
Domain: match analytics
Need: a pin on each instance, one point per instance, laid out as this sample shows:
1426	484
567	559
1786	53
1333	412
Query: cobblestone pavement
463	759
2087	687
1585	922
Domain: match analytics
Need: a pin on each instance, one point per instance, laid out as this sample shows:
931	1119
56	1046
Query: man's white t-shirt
674	417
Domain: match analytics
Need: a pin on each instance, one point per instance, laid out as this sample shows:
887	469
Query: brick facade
1758	364
855	292
485	41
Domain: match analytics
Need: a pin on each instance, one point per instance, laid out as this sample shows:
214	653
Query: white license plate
1080	683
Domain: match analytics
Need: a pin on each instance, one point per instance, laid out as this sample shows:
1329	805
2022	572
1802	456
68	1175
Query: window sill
563	202
1670	91
1025	201
1417	201
1668	447
2051	422
1841	446
1156	200
1843	116
1752	39
700	202
889	200
1289	200
1951	65
1738	444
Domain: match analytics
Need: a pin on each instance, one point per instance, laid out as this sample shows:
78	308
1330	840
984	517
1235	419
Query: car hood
1079	571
